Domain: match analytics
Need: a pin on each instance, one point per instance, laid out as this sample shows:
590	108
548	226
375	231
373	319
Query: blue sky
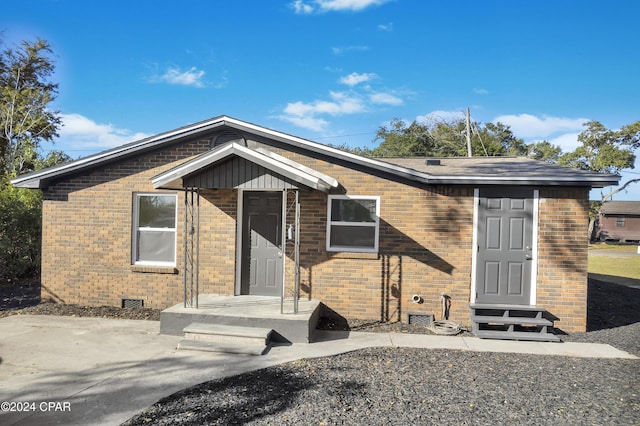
333	71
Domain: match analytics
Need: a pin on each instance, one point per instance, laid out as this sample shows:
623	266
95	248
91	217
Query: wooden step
508	309
488	319
498	306
516	335
513	322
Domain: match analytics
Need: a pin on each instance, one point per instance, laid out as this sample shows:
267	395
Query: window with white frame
353	223
154	229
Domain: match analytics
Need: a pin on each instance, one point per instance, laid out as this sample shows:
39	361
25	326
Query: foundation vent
420	319
133	303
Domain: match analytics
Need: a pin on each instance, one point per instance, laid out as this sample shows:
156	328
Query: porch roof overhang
177	177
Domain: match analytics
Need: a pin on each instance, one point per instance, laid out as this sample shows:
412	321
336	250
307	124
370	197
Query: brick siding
425	244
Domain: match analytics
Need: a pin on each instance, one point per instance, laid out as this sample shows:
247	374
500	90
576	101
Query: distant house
246	210
619	221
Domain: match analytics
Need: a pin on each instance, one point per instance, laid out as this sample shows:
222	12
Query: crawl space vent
132	303
420	319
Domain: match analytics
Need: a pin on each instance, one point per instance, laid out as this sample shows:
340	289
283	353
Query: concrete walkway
94	371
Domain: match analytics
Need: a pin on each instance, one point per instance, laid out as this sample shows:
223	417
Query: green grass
628	267
631	248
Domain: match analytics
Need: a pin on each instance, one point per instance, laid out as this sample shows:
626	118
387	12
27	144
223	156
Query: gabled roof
475	170
41	178
501	170
621	207
173	179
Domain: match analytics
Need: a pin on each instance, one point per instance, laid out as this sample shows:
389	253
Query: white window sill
154	269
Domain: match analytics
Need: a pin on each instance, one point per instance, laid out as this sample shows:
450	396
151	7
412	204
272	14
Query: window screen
155	229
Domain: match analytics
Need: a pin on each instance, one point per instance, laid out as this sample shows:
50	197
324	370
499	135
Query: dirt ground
612	302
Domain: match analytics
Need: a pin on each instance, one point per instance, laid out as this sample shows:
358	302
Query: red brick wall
563	256
425	245
86	236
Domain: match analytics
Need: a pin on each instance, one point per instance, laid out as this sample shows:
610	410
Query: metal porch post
191	247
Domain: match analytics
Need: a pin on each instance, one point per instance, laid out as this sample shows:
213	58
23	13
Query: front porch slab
246	311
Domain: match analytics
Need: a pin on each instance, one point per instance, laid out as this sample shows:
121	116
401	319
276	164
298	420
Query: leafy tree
445	139
605	151
397	139
25	121
25	95
53	158
544	151
20	230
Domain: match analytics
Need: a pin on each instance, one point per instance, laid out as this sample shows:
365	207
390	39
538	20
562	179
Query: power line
346	136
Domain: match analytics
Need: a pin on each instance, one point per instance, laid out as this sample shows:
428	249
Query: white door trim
239	230
240	202
534	248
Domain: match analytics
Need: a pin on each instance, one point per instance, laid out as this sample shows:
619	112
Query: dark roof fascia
41	178
594	182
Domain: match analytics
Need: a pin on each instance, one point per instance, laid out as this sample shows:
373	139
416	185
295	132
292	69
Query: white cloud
567	141
382	98
304	7
355	78
311	123
480	91
341	104
386	27
345	49
440	115
79	132
529	126
306	114
191	77
359	98
301	8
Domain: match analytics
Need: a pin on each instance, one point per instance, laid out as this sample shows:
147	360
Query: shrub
20	231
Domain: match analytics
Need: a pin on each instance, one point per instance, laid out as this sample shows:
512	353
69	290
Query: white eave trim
33	180
327	150
290	169
328	179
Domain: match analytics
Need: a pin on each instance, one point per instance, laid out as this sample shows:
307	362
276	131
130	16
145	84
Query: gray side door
261	271
505	240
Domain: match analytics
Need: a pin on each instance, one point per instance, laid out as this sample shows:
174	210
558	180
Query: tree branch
615	191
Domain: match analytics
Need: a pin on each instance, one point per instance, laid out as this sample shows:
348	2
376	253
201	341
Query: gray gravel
400	386
383	386
389	386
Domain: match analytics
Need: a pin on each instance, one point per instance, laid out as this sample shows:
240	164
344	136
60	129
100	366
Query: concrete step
516	335
230	348
228	334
